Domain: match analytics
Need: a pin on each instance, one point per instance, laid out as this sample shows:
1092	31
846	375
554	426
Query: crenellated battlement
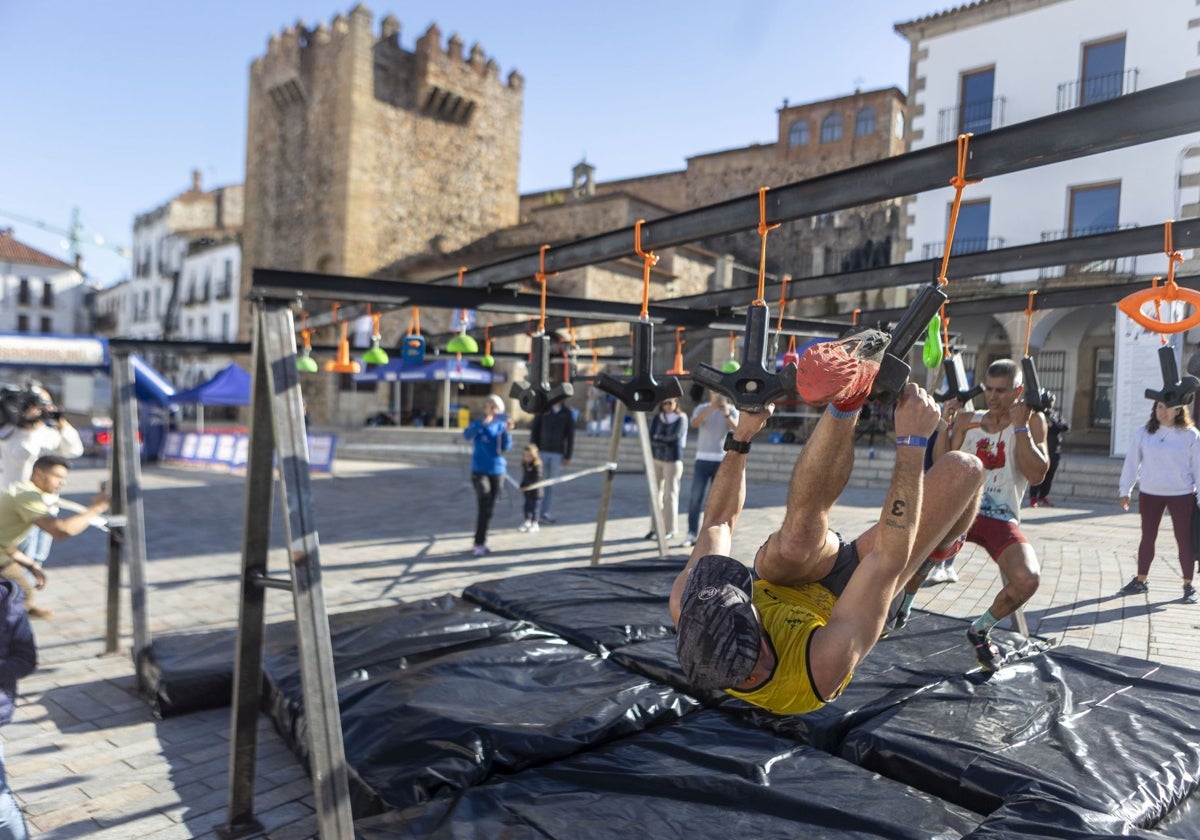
433	63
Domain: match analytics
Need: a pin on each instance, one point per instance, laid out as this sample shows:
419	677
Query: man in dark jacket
554	434
18	658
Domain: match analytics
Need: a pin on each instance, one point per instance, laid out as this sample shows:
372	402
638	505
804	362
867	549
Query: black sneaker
1135	587
548	519
986	652
1189	594
901	619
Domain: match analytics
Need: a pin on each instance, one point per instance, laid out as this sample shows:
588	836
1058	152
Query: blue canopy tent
444	370
228	386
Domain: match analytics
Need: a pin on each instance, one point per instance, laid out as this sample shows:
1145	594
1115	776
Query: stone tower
360	154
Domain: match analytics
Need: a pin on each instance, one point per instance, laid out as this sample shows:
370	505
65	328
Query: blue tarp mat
1031	816
705	777
228	386
599	608
1105	733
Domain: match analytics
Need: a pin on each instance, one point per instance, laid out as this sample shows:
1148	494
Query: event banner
227	450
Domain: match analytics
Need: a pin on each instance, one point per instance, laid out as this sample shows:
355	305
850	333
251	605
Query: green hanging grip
931	354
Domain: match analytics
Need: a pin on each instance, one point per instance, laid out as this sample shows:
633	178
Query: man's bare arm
726	498
62	529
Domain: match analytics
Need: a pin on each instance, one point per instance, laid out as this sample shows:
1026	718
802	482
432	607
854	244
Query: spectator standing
1055	429
713	420
1164	462
18	658
553	432
668	436
492	437
531	473
43	430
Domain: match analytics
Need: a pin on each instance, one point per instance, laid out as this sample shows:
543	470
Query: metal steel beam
1079	249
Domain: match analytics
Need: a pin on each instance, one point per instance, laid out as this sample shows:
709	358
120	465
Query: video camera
16	402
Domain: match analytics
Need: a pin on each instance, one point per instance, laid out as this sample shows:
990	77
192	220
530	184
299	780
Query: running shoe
1135	587
986	652
841	372
1189	594
902	619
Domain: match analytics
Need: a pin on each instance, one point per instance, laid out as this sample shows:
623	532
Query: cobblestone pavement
87	759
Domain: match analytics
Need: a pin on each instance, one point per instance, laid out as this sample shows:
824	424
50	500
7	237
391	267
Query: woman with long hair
1164	462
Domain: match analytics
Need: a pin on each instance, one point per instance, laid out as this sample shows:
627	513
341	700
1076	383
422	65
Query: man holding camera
39	429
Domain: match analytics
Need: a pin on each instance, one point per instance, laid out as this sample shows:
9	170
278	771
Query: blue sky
109	106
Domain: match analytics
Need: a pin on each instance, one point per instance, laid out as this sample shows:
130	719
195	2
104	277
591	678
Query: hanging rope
959	182
782	307
541	278
1029	320
414	323
649	259
763	230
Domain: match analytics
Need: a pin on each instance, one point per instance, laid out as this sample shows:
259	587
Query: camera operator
39	429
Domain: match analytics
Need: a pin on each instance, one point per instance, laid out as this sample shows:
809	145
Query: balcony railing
970	117
934	250
1096	89
1121	265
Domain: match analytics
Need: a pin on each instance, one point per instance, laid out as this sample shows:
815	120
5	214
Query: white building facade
39	294
1000	62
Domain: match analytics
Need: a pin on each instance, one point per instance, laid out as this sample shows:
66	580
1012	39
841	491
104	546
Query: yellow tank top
790	615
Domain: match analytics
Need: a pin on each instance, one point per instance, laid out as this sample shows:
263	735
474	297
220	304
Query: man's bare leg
800	551
953	487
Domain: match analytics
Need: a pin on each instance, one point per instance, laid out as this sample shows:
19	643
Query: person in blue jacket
18	658
492	436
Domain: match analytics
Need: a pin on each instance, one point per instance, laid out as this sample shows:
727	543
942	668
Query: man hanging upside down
788	635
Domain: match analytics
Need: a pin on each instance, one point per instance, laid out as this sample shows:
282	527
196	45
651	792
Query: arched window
865	123
831	128
798	134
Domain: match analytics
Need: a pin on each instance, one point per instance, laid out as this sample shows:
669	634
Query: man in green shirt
35	502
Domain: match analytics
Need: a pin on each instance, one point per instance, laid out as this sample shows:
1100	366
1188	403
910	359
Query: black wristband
734	445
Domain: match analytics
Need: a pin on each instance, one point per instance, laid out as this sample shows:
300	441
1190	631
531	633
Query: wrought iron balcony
934	250
1096	89
970	117
1125	266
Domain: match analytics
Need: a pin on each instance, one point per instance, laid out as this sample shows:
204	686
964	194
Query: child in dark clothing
531	473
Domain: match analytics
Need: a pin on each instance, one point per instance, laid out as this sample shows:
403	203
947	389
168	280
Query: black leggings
1041	491
487	490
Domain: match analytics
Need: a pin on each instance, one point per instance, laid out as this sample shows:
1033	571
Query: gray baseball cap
717	639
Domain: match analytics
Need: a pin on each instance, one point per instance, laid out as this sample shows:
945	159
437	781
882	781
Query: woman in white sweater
1164	462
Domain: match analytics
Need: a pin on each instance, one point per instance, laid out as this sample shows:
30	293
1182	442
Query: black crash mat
1184	822
1106	733
457	719
706	776
188	672
930	650
599	608
1031	816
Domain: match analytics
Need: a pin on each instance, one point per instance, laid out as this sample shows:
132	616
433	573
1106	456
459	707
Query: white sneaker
938	574
525	528
951	574
533	527
691	540
480	550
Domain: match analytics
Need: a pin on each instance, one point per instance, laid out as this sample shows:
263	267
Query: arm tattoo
896	514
